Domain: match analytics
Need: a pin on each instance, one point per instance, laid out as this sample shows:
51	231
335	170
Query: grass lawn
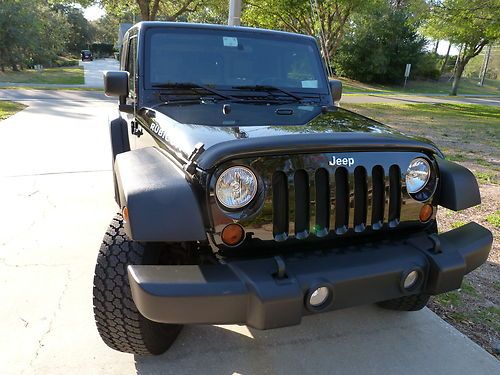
9	108
468	134
467	86
72	75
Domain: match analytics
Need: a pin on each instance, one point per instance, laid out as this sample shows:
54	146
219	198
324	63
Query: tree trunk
436	46
15	68
144	8
458	75
443	67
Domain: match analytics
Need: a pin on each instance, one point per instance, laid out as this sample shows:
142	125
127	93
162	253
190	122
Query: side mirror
116	83
336	89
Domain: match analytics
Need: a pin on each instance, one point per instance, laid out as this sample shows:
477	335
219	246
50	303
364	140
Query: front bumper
255	293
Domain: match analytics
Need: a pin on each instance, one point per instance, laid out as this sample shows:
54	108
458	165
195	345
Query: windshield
229	59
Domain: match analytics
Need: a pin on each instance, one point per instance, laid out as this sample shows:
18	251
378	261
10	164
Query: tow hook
281	268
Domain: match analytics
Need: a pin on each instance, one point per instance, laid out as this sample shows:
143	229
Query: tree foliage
149	10
30	33
331	18
380	42
472	24
80	33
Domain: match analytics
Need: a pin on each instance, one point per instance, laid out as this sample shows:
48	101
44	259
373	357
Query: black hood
250	129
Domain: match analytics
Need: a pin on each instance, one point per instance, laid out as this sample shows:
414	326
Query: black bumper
251	291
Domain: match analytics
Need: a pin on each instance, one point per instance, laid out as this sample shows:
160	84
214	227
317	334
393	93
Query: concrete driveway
56	200
93	70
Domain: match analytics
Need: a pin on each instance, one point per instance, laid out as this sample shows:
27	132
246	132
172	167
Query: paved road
93	70
412	99
56	200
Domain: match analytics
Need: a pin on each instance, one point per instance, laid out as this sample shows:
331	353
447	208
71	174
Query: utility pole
234	13
485	65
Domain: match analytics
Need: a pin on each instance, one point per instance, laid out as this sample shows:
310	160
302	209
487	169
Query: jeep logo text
341	161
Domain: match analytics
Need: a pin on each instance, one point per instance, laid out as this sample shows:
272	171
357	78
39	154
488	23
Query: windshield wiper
192	87
269	89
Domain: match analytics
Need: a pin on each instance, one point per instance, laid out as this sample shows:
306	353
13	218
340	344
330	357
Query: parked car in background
87	55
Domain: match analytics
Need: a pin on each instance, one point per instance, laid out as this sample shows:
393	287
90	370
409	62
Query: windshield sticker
230	41
310	84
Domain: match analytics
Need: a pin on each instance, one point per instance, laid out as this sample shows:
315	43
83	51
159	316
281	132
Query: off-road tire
118	321
409	303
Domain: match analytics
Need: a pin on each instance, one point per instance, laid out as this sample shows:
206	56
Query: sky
94	12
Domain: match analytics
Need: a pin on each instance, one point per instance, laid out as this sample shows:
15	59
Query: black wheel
409	303
118	321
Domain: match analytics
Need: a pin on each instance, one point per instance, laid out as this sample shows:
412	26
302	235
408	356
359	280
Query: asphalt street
56	200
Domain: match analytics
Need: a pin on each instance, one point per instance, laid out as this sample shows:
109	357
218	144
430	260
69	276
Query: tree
380	42
149	10
331	19
30	33
80	33
470	23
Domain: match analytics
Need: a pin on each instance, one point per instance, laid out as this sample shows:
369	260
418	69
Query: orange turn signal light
426	213
232	234
125	213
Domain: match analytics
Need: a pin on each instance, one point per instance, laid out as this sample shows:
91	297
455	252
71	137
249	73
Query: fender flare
458	186
118	132
162	205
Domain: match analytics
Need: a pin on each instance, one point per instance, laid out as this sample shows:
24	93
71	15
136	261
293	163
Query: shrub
427	67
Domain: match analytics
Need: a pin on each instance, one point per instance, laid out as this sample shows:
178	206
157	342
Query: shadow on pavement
363	340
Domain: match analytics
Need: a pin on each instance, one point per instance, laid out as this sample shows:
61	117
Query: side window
131	66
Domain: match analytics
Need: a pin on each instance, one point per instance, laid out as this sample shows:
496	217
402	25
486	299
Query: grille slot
360	199
341	200
321	201
280	206
394	196
378	197
302	201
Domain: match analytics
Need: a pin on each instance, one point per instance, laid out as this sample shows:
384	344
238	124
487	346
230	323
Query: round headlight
417	175
236	187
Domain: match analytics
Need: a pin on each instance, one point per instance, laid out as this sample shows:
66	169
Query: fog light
425	213
319	296
411	279
232	234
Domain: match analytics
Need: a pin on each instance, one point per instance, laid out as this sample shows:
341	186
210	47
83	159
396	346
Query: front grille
321	201
304	197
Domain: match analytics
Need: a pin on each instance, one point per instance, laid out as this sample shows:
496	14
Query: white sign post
407	73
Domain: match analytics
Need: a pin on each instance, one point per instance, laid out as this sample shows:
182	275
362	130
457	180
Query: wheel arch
162	205
118	132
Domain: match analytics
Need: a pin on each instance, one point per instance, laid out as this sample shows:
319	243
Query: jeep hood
307	129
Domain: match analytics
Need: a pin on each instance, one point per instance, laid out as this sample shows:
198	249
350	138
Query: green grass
458	224
450	298
467	87
485	177
468	123
494	219
466	133
9	108
457	111
61	76
454	301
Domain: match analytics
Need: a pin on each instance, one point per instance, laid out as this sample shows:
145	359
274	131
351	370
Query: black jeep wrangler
247	197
